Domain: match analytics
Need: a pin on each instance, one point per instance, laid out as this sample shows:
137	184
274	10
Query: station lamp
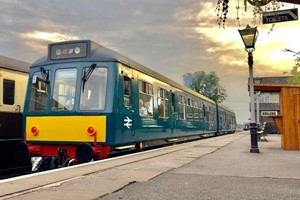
249	37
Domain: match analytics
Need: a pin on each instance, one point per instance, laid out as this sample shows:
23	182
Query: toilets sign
280	16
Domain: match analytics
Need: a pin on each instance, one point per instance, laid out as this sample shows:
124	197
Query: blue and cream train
85	101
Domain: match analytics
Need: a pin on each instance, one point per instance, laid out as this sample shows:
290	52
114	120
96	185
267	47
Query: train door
10	109
206	118
173	113
126	105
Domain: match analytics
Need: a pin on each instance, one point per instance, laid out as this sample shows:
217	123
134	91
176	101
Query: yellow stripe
66	128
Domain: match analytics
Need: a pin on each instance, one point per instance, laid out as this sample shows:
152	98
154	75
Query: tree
206	84
295	78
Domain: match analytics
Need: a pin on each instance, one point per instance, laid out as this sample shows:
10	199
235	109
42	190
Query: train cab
67	104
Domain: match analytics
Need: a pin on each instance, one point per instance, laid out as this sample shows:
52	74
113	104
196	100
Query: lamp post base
254	150
253	133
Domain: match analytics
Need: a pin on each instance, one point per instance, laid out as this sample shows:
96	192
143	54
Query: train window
145	87
196	104
145	99
181	106
8	92
39	92
210	115
222	119
201	109
206	112
64	89
94	94
189	102
196	110
162	100
189	110
127	91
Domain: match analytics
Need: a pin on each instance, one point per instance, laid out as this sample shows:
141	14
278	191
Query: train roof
226	108
13	64
100	53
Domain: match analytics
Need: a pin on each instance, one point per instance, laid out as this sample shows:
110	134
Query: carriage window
189	109
196	110
162	100
181	106
94	94
64	89
201	109
145	99
207	112
127	91
210	115
8	92
39	92
213	116
222	119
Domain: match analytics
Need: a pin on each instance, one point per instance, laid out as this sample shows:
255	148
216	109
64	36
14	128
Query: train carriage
226	120
13	81
85	101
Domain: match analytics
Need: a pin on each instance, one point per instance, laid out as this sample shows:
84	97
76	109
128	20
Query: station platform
214	168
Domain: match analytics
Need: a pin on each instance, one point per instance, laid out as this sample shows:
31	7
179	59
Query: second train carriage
85	101
13	82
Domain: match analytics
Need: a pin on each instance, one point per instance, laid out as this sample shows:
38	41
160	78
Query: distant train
85	101
13	83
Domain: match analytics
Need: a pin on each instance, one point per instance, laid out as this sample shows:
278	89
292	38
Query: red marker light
91	131
34	130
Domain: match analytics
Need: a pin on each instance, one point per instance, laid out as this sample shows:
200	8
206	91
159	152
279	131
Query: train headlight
34	130
77	50
58	52
91	131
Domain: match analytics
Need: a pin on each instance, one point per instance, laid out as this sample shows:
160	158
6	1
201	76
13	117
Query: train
13	84
85	102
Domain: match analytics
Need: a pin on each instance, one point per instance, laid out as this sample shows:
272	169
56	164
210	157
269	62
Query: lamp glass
249	36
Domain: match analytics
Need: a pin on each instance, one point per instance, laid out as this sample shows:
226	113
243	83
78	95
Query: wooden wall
290	111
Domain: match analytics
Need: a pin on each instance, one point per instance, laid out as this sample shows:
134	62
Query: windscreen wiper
87	74
45	75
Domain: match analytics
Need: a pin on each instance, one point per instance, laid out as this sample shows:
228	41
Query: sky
172	37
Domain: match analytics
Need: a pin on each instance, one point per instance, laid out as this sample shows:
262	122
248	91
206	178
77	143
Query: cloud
171	37
51	37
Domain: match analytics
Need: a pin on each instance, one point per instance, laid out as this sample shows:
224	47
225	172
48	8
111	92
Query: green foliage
206	84
295	79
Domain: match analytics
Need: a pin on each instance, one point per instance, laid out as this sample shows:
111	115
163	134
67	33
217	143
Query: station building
268	102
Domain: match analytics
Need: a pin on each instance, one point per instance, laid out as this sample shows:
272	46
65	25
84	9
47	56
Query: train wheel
139	146
66	162
44	164
84	153
54	163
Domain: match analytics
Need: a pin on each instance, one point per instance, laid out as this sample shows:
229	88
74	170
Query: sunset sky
172	37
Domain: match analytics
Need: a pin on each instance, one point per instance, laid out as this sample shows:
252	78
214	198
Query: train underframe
65	155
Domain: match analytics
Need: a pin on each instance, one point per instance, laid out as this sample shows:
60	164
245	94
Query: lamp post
249	36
